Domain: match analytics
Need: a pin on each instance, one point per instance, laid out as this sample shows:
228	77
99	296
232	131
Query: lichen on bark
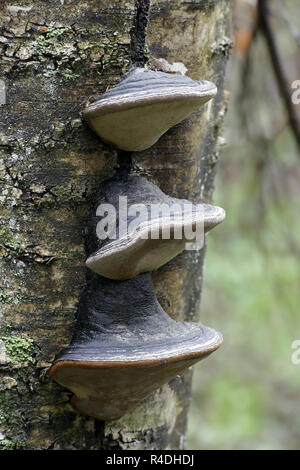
55	57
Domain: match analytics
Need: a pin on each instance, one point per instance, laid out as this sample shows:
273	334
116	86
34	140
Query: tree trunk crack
138	33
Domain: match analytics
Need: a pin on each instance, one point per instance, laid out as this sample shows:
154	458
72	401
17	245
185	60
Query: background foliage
246	396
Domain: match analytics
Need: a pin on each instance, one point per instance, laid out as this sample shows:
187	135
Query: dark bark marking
138	33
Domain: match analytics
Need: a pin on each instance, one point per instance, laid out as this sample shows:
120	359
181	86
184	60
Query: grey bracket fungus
144	105
125	346
137	251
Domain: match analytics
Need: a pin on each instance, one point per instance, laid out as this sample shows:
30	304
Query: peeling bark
55	56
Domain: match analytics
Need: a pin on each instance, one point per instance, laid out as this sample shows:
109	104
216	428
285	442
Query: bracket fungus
144	105
148	229
125	346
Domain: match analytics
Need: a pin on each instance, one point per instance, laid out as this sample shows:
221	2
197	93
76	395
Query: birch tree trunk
55	56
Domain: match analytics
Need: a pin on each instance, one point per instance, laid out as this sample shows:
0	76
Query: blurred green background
246	395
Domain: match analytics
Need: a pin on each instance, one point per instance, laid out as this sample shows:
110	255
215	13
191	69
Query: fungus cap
125	346
153	237
144	105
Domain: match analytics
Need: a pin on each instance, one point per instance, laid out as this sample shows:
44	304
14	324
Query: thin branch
266	29
245	74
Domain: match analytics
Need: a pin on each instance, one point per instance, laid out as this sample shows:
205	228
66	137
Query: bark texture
55	56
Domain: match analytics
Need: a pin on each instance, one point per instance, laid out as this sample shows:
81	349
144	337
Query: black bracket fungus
147	230
144	105
125	346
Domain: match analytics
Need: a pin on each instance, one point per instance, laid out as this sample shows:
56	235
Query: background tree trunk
55	56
